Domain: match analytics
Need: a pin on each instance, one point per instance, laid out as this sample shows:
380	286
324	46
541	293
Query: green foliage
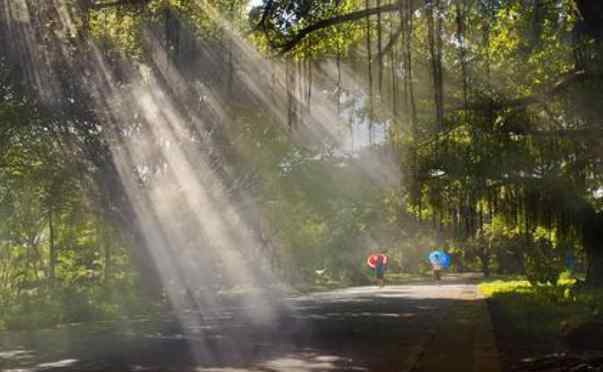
127	29
541	310
60	260
495	162
544	264
44	308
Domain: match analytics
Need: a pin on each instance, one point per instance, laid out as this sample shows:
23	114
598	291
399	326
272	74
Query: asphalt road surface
419	327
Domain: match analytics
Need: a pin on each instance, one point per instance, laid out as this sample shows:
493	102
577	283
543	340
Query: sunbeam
160	128
245	185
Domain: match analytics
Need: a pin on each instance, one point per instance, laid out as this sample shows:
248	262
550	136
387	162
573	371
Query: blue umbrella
440	258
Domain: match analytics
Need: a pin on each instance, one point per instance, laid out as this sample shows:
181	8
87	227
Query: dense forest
150	148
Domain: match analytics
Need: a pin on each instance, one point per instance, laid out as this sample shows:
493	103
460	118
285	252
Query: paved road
421	327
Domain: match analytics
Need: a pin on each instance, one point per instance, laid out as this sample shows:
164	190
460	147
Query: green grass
541	311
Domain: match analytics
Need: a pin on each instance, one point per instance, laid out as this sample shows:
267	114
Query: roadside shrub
46	308
543	264
537	311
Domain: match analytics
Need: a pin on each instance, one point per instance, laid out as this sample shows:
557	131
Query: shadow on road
357	329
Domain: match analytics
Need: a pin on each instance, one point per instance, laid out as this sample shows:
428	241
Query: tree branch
330	22
585	133
521	103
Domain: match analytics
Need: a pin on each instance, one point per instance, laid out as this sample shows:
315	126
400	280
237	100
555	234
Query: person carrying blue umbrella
439	260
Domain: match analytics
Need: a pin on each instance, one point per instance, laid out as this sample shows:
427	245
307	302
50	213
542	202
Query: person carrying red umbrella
378	262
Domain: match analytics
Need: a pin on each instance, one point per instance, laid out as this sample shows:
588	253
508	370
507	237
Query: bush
543	263
541	310
44	308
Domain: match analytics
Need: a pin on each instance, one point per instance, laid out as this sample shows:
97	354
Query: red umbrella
372	260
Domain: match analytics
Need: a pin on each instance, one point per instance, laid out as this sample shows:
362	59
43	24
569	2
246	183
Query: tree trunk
172	36
107	246
485	259
51	248
594	274
593	247
592	17
485	266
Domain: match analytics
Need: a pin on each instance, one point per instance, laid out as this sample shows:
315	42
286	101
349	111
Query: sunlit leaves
128	29
117	29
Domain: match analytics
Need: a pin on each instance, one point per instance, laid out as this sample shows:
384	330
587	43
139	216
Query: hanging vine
461	12
434	14
338	88
309	86
393	57
409	103
379	51
370	73
291	88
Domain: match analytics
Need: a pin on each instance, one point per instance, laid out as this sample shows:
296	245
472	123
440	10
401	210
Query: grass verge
532	320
